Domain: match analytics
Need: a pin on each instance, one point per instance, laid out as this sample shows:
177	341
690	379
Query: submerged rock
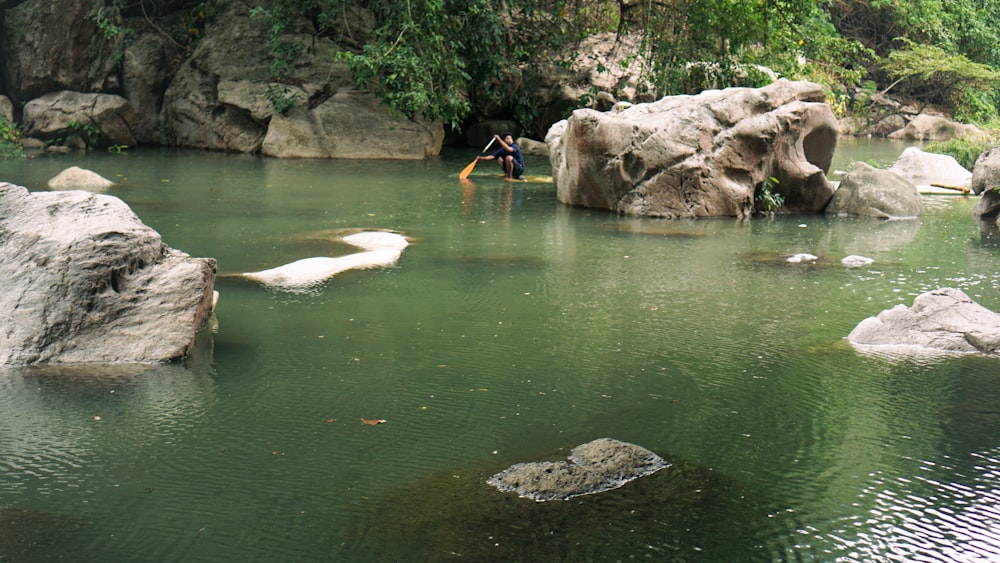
856	261
944	320
801	257
380	249
594	467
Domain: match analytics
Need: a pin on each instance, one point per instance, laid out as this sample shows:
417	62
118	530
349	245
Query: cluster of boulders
731	152
78	85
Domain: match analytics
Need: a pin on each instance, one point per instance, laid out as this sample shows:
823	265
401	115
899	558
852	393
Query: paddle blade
467	170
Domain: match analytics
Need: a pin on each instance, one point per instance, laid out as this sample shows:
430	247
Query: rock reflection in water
35	535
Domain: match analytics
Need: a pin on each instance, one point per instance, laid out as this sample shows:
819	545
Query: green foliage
965	151
282	98
767	200
942	78
445	58
283	51
10	141
89	133
108	17
414	62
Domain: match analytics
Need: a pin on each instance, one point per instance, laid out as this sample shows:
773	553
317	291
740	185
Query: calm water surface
512	329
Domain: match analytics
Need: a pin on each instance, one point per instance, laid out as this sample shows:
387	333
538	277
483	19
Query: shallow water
512	329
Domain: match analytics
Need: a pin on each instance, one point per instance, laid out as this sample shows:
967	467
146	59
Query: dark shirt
502	152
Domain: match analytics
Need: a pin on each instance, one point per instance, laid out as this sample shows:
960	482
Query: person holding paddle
508	156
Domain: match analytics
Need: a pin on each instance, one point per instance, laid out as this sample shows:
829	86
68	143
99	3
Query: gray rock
869	192
945	320
51	45
986	172
987	214
87	282
986	181
699	156
105	119
601	465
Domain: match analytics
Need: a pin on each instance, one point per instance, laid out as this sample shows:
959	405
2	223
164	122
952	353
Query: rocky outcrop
941	321
937	128
87	282
101	120
699	156
212	90
925	169
222	99
869	192
601	465
49	46
606	62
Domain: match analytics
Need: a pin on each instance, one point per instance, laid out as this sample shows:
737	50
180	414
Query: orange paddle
468	169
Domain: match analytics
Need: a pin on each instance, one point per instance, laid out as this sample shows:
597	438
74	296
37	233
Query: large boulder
699	156
102	120
986	172
594	467
87	282
350	124
870	192
941	321
925	168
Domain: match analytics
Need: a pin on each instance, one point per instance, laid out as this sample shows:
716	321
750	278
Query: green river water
512	329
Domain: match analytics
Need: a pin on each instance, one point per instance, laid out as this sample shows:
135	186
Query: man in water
508	156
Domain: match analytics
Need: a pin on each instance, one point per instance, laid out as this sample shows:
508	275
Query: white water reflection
938	515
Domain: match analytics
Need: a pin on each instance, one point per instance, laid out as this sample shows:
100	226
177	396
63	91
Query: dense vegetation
450	58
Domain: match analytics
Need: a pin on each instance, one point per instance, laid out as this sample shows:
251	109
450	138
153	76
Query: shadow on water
28	535
675	514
